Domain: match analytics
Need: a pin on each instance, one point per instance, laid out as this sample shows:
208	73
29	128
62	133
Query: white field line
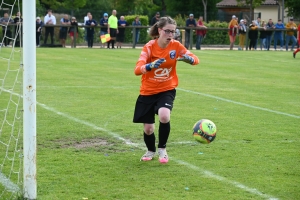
239	103
10	186
193	92
128	142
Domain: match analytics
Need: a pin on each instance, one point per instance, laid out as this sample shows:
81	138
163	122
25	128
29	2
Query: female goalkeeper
157	65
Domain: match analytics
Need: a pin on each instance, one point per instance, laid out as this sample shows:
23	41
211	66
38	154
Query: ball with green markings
204	131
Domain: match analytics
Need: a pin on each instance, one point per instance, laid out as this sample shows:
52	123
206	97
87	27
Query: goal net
11	102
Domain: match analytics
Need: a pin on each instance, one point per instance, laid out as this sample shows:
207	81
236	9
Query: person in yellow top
291	27
233	30
112	29
157	66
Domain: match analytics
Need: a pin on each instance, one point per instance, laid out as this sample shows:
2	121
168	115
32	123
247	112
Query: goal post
29	100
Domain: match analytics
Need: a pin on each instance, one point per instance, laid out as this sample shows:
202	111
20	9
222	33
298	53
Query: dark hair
163	21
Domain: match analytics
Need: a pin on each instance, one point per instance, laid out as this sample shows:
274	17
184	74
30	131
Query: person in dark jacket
263	36
18	29
39	26
253	35
155	19
74	26
90	31
270	25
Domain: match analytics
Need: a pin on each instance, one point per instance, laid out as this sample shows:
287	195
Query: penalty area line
193	167
11	186
239	103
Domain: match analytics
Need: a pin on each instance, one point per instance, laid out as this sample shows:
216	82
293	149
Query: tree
193	6
132	7
251	3
293	7
67	4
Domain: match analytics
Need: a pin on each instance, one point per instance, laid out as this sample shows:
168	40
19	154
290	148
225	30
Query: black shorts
147	106
113	32
120	38
63	34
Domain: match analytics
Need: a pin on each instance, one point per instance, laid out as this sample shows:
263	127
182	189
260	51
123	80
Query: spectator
74	26
137	22
5	21
177	35
258	22
233	28
270	25
291	26
49	19
39	25
112	29
278	34
298	37
85	19
253	35
18	31
200	33
157	68
190	22
263	36
242	36
155	19
63	31
103	23
121	35
90	31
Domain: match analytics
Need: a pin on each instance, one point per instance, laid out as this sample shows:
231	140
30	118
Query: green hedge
214	37
143	32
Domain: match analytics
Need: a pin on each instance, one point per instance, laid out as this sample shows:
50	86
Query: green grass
86	99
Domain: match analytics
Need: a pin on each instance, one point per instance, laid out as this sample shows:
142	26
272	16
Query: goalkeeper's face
166	33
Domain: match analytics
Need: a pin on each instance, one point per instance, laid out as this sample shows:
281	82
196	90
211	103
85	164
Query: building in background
270	9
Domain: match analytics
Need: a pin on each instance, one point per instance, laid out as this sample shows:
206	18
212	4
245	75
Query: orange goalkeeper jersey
165	77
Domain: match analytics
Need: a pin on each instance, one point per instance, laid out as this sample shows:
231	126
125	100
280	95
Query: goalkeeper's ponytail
163	21
153	32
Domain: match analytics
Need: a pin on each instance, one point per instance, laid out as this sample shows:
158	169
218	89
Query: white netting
11	132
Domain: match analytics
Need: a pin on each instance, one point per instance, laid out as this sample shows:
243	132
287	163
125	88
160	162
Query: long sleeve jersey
165	77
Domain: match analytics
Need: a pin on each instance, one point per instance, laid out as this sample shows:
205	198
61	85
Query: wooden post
191	38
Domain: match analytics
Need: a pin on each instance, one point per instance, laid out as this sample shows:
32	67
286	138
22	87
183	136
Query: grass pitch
88	146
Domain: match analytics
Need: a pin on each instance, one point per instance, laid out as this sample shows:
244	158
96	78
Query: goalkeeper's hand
186	58
155	64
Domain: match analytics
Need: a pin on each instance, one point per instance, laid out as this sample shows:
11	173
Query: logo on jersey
162	73
172	54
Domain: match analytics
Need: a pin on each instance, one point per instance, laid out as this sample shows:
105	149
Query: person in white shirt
85	19
49	19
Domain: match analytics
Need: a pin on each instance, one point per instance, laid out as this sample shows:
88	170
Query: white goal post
29	100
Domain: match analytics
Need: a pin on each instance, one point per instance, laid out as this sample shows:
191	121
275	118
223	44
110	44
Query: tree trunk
205	9
163	7
251	11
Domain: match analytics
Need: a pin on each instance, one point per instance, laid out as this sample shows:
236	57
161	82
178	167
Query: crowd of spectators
258	30
261	31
